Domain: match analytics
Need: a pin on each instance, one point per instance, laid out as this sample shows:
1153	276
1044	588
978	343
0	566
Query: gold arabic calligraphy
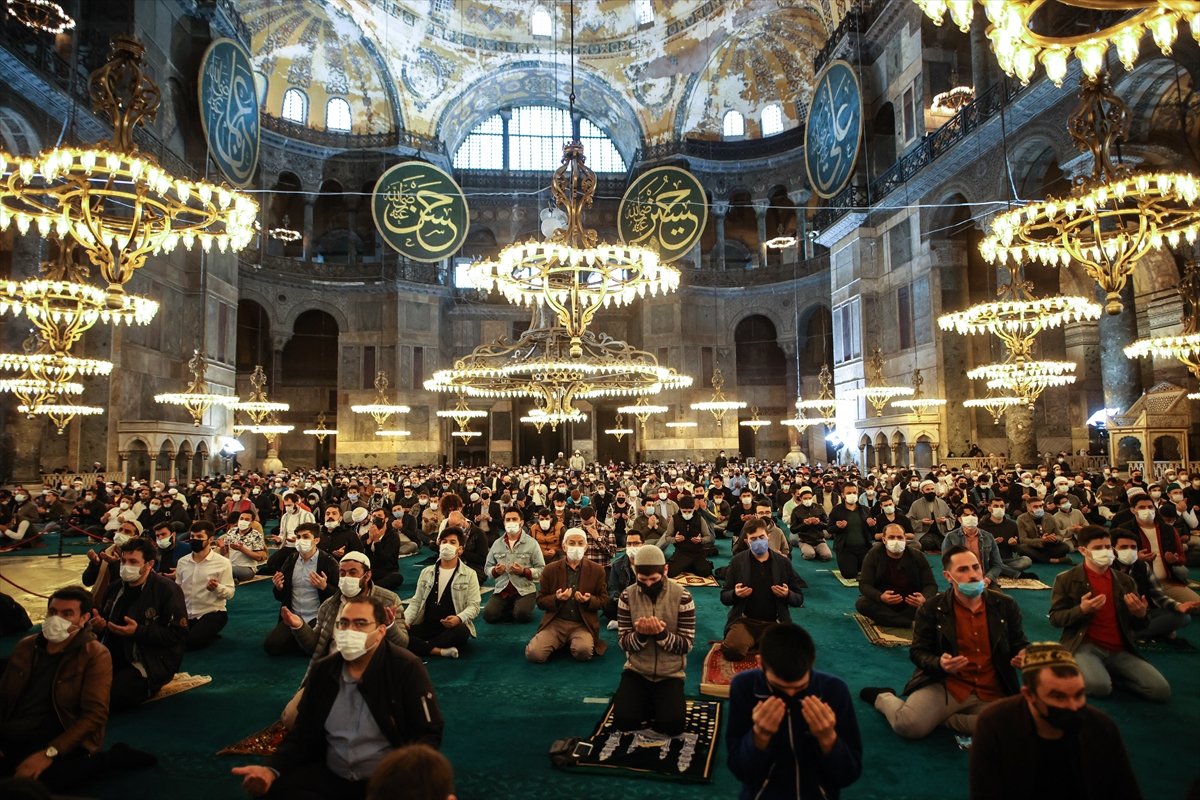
661	212
420	214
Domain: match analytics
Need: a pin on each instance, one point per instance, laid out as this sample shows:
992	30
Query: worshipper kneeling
1050	731
142	622
792	731
572	592
515	563
656	637
358	705
206	579
895	581
1099	609
967	642
301	584
440	616
760	586
690	535
54	697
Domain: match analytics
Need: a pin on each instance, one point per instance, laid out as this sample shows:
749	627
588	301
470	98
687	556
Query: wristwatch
51	752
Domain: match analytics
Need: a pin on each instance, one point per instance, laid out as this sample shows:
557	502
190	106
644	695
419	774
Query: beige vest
652	661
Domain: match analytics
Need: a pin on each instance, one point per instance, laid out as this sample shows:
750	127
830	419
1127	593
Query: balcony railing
721	150
761	276
340	140
358	271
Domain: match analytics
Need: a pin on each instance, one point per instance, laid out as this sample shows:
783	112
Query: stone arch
253	341
881	140
17	135
923	452
200	459
883	449
311	354
866	447
315	303
534	83
952	213
758	355
900	446
1041	174
162	461
138	458
1146	86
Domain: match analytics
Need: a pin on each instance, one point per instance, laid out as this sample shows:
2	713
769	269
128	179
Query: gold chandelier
115	202
572	273
321	432
824	405
1019	47
462	415
41	15
382	409
196	399
951	100
258	407
877	391
1024	377
682	424
44	376
539	365
60	414
754	423
1185	345
1112	218
919	403
618	429
718	405
284	232
994	403
642	410
539	418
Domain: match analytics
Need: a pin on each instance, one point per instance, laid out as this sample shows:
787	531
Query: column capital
761	206
720	208
799	196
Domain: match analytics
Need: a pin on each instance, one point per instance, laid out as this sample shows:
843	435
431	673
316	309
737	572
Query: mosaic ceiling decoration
676	76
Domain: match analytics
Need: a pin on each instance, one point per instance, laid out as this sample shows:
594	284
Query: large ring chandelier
994	403
918	404
258	407
197	398
462	415
718	405
382	409
572	273
1019	47
642	410
539	418
60	414
44	16
117	203
1184	346
539	366
320	432
1023	377
824	405
877	390
1111	218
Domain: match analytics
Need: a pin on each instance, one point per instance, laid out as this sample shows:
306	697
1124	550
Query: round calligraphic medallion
665	209
833	133
229	110
420	211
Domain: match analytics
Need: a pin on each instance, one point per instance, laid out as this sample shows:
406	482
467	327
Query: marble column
981	54
1121	376
760	216
1022	438
278	341
1082	340
949	260
123	464
308	234
719	209
800	198
171	474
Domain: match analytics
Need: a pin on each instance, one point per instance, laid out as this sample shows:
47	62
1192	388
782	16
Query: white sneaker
612	626
449	652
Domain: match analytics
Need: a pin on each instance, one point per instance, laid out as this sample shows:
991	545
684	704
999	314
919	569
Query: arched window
772	120
541	24
295	106
644	9
536	135
337	115
733	125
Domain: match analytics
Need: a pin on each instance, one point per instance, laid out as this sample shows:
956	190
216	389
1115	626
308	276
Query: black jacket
839	513
782	571
384	554
1065	613
397	691
912	561
808	534
475	549
935	633
161	616
325	563
1006	740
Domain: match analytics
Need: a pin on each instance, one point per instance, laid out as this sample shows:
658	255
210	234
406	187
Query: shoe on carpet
612	625
868	694
1027	575
122	756
449	652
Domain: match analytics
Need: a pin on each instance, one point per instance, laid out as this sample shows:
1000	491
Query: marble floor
38	574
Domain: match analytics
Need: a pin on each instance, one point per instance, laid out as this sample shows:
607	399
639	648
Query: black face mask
1065	719
197	546
930	496
653	590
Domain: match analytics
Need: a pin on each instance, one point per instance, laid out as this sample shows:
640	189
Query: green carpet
503	713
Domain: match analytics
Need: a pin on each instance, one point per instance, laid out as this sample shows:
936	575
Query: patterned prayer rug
689	757
690	581
182	682
1021	583
851	583
718	671
259	743
881	636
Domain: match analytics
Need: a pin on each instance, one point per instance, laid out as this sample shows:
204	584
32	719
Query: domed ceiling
451	63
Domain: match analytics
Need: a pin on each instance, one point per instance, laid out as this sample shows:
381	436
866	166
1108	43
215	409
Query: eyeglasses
357	624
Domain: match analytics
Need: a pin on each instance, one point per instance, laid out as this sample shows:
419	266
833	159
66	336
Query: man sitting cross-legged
573	591
967	642
895	581
441	614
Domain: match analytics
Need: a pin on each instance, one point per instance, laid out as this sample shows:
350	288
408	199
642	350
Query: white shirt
288	522
193	576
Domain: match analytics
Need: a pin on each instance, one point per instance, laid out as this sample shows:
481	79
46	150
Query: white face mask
124	506
351	644
205	501
600	491
121	538
349	585
56	629
889	510
895	546
512	527
1145	514
236	498
155	506
330	524
304	545
687	514
575	553
970	520
424	501
130	572
1156	494
747	501
806	502
1102	558
1127	557
243	524
544	524
448	552
163	544
997	513
851	499
631	552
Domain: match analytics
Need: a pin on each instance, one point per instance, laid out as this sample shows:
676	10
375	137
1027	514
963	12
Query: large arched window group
535	136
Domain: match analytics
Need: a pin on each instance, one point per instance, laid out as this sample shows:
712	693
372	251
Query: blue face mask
759	546
1038	513
971	589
